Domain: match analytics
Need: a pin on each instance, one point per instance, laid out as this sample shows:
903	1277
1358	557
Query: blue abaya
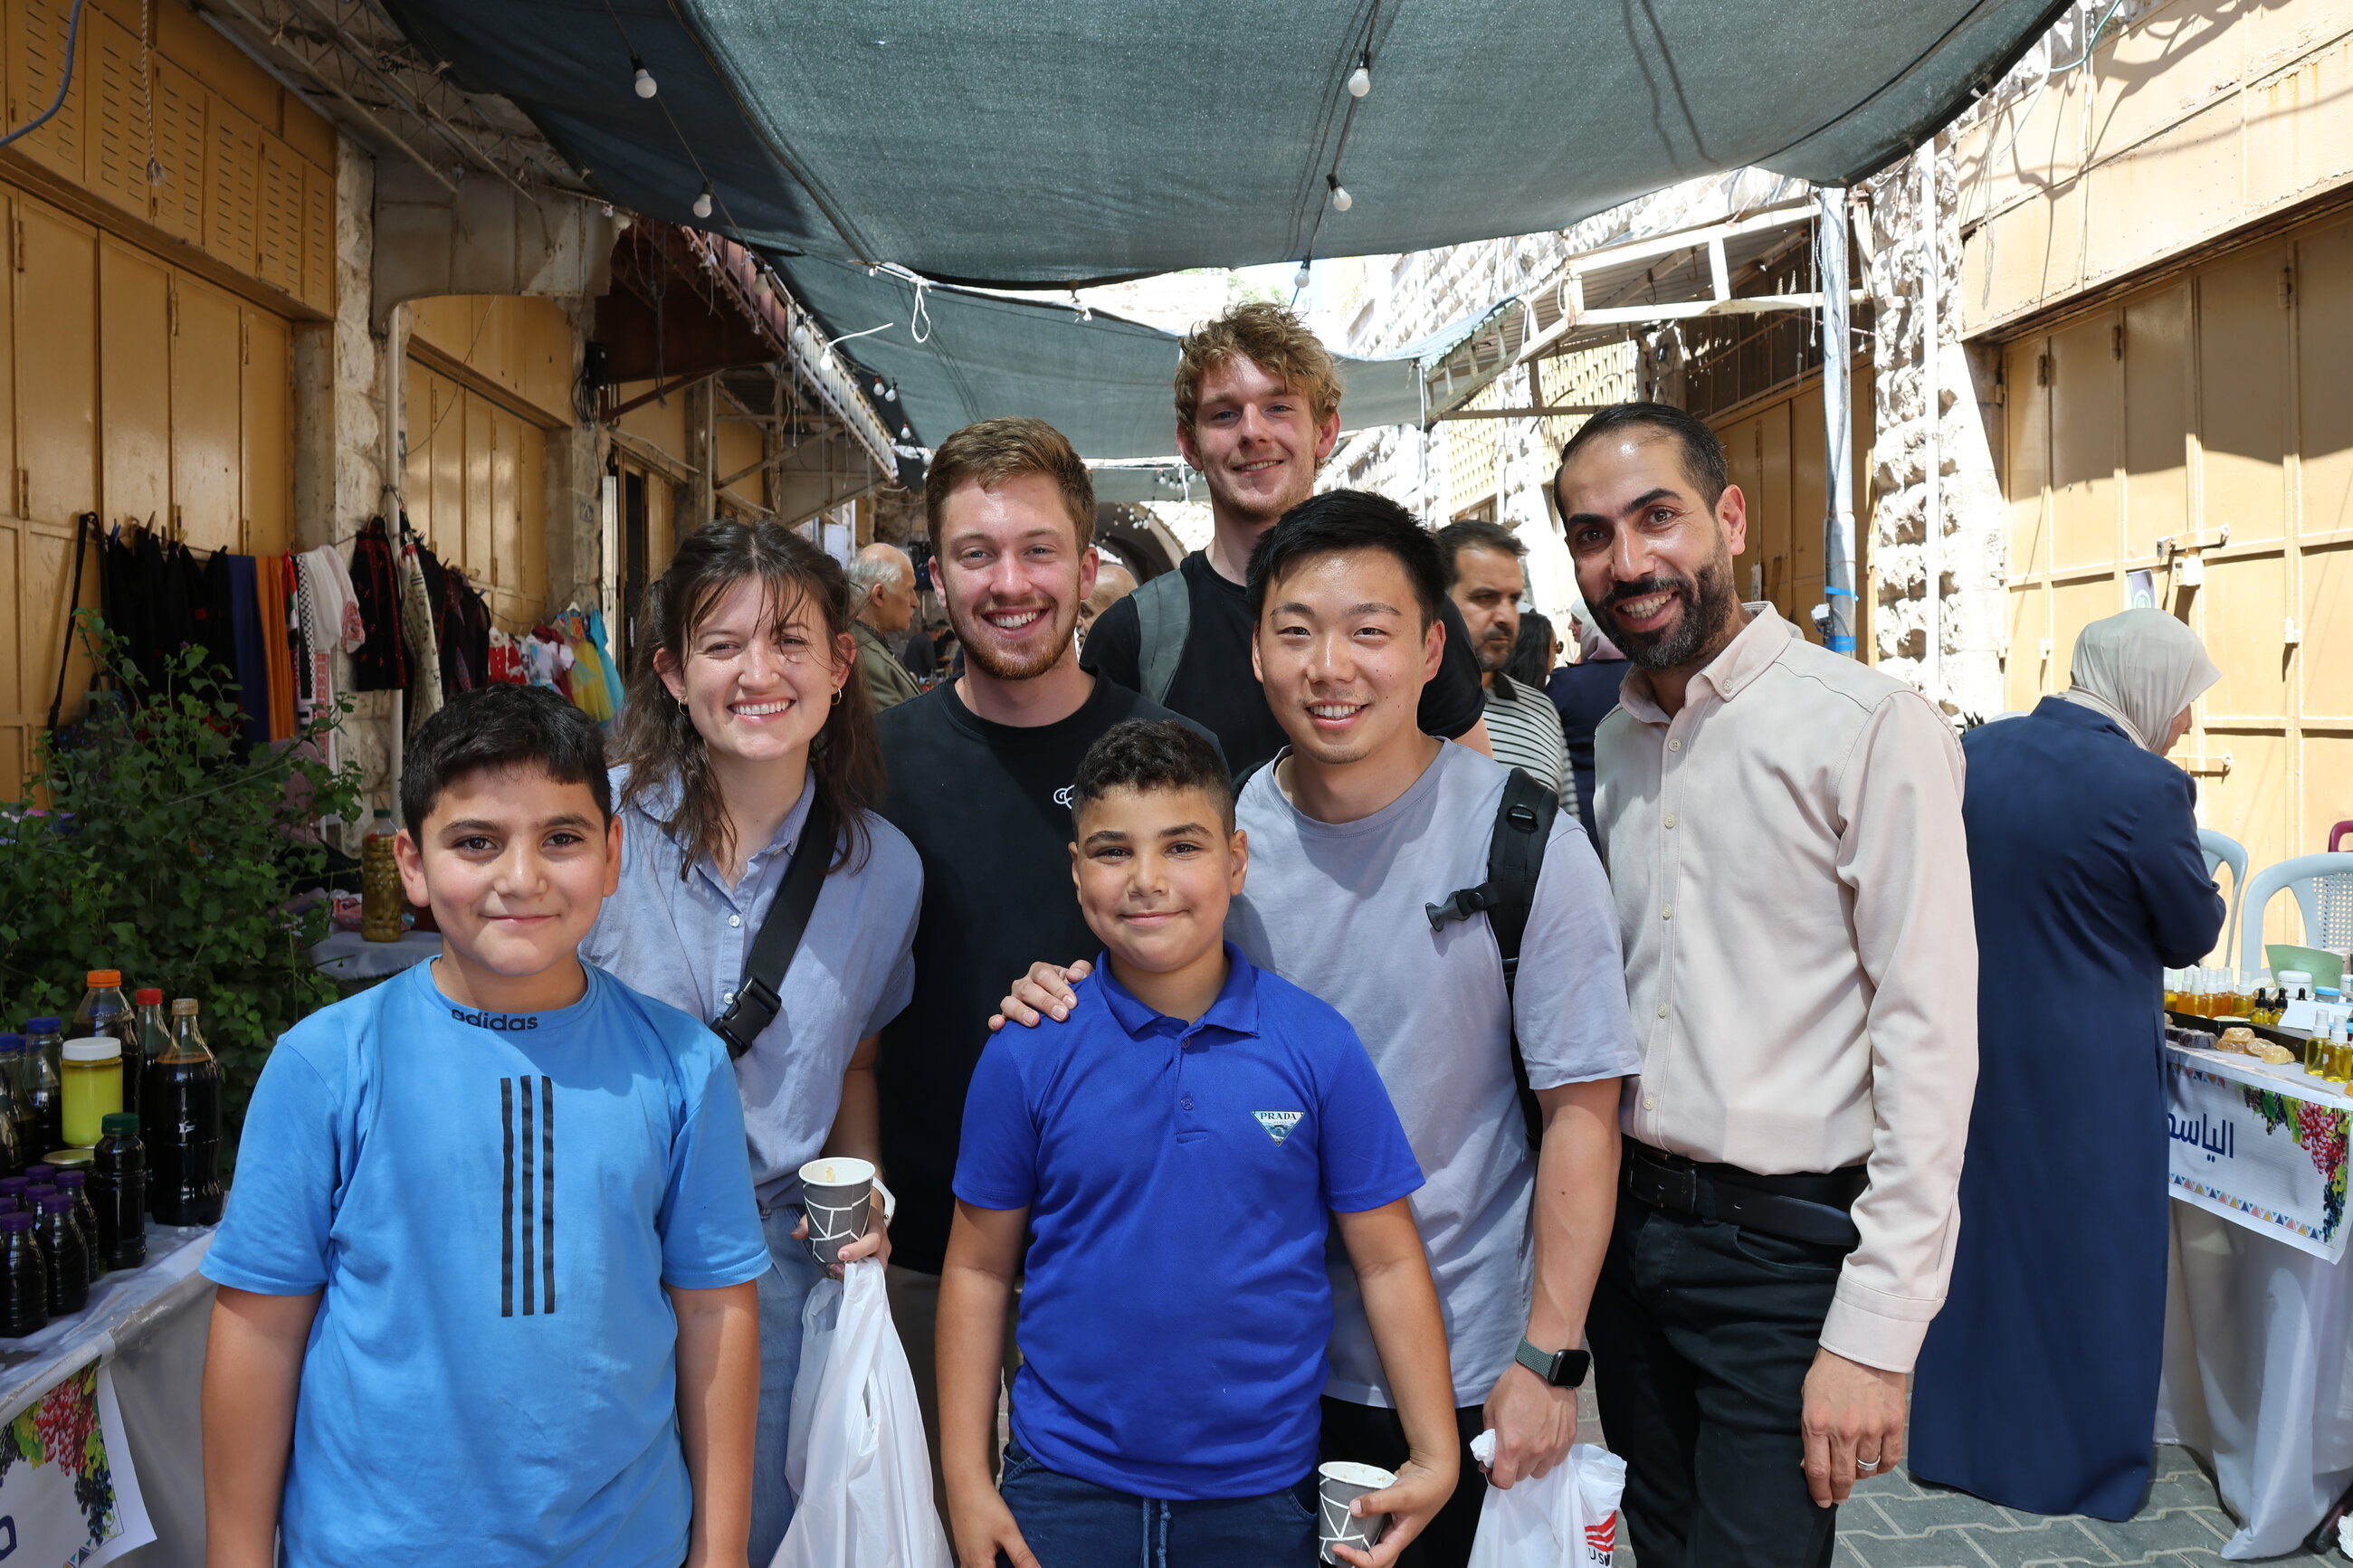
2036	1386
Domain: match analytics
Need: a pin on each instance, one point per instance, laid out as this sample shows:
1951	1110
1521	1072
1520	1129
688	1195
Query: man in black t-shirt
980	781
1258	410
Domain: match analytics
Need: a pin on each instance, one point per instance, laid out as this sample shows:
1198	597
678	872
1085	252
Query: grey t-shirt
1338	910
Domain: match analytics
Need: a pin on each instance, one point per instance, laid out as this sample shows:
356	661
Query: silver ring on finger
1863	1465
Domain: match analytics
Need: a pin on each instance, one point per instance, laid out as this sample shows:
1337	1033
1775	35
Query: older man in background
882	598
1485	578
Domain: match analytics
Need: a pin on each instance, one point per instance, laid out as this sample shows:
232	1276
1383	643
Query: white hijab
2141	668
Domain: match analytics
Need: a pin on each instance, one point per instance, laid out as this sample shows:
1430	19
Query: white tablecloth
151	1320
2259	1376
347	955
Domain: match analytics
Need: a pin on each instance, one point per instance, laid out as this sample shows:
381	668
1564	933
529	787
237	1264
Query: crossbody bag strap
760	994
1515	852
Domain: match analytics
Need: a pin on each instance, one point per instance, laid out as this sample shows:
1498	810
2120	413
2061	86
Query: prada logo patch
1277	1123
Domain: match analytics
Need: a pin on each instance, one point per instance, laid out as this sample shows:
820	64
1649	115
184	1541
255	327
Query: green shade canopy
1062	140
1103	381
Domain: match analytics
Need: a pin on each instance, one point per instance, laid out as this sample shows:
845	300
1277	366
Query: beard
1708	604
999	663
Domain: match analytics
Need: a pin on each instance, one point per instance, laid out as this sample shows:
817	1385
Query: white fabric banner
2262	1149
67	1491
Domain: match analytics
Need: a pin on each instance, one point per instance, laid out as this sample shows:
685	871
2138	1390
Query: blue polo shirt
1179	1179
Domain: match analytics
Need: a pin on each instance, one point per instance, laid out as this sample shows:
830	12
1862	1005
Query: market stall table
347	956
2258	1374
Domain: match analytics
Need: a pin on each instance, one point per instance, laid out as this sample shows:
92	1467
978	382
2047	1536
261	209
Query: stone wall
1959	437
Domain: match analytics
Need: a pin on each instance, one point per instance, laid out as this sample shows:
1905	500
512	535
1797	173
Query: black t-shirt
987	808
1214	687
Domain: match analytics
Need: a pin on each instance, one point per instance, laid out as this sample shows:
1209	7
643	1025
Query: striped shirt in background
1525	729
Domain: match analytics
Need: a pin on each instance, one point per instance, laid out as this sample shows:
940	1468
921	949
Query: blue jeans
1071	1523
783	1290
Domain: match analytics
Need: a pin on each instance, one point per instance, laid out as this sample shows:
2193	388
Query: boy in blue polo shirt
486	1280
1177	1150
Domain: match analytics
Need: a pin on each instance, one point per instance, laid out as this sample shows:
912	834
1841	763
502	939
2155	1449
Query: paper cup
1338	1484
838	1196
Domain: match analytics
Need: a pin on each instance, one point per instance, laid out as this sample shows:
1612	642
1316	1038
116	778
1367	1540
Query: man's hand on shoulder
1044	992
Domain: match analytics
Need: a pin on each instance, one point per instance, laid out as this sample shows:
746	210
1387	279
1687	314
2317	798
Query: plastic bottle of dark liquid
62	1245
24	1278
105	1010
118	1188
183	1127
44	1105
12	1194
154	1034
12	1084
75	1185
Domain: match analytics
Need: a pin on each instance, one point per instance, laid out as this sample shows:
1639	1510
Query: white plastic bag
860	1474
1569	1515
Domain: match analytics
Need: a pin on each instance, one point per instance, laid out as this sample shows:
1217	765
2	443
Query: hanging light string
1336	197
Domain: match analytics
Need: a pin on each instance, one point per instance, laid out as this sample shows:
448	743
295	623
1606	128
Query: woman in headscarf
2037	1388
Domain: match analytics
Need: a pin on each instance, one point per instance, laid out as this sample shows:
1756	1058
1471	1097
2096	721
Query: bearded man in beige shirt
1782	828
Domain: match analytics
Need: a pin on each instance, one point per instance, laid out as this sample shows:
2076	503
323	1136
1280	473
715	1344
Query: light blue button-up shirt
685	941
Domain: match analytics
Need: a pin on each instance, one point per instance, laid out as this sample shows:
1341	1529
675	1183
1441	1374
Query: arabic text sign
2247	1146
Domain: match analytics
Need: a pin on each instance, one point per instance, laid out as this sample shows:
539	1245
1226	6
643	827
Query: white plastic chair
2323	886
2221	849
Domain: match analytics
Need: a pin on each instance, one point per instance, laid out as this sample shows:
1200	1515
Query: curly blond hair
1270	338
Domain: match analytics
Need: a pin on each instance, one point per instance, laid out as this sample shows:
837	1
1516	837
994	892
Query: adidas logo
1277	1123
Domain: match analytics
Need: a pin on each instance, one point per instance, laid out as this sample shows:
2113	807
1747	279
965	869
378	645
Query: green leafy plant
156	843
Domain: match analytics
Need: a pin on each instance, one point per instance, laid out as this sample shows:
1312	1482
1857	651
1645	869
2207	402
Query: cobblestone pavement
1894	1524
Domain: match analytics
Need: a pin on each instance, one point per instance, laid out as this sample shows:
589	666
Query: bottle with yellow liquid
2340	1056
381	902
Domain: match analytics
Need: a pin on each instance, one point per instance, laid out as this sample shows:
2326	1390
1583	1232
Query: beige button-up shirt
1793	894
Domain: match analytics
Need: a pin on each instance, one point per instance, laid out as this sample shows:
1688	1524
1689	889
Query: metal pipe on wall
1932	456
1838	421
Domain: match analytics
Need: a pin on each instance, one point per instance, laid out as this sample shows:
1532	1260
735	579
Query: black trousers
1702	1335
1368	1434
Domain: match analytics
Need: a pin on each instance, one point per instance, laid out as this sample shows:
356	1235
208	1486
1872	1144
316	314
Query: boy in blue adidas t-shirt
486	1279
1177	1152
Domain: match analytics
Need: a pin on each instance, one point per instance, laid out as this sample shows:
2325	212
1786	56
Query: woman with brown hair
746	718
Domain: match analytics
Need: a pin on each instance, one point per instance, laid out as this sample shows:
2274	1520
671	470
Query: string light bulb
906	433
878	386
703	201
1341	200
761	286
890	392
642	79
1360	80
1299	278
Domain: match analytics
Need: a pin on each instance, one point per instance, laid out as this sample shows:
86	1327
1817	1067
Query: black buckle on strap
754	1008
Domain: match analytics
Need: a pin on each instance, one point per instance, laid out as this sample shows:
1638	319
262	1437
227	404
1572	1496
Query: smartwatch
1560	1369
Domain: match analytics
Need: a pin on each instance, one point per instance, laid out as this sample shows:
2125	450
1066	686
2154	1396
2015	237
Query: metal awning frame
1554	316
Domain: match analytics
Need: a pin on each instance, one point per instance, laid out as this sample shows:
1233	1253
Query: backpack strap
759	994
1515	851
1163	615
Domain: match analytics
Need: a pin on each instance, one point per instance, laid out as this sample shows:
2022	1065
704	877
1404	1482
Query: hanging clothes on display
252	655
425	695
590	693
331	625
276	612
506	659
207	586
547	661
381	662
612	683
